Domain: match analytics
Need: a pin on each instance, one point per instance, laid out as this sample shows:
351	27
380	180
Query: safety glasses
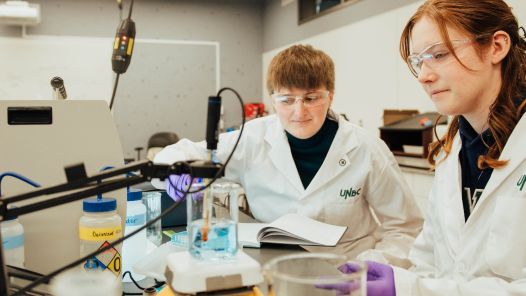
435	54
310	99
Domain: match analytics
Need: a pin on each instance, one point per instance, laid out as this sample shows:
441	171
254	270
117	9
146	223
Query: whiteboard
165	88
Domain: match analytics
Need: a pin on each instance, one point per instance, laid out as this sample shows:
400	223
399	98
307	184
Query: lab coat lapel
452	196
337	159
515	153
281	156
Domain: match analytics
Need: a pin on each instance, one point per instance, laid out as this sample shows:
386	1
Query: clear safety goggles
436	54
309	100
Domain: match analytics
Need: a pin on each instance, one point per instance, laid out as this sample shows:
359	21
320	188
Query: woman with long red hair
469	56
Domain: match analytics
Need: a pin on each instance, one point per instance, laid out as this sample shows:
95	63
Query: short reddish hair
300	66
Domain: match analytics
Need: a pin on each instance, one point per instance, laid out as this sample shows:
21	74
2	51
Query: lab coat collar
344	141
337	159
452	193
281	156
454	209
515	154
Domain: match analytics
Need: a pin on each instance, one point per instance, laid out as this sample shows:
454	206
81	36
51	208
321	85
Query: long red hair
480	18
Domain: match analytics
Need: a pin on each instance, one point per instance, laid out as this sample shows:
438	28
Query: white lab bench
263	255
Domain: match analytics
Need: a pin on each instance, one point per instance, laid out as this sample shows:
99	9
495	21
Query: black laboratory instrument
122	49
123	46
212	122
79	186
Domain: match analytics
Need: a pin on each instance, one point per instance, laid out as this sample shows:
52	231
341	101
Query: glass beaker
152	201
77	283
212	223
313	274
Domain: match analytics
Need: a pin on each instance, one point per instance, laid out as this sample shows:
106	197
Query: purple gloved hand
380	280
177	185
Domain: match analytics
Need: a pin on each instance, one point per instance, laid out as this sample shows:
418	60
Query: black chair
158	141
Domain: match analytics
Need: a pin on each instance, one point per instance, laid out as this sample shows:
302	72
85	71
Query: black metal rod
85	186
71	197
23	273
78	183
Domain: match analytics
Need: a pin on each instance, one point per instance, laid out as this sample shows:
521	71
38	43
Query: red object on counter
254	110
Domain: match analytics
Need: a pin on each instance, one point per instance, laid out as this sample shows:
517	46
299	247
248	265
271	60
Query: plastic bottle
13	242
134	248
12	231
99	225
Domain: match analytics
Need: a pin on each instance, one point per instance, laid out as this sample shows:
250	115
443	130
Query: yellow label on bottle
99	234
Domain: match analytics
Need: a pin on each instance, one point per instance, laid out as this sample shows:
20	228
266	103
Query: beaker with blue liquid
212	220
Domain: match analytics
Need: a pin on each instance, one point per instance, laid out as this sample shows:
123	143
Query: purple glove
380	280
177	185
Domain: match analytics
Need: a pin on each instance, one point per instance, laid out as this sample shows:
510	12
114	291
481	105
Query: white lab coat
356	162
485	255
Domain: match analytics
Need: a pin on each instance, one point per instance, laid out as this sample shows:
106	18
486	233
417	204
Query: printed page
248	234
310	231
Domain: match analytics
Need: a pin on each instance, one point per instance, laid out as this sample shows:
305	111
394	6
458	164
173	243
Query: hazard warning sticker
109	259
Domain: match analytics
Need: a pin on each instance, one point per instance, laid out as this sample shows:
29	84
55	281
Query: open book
292	229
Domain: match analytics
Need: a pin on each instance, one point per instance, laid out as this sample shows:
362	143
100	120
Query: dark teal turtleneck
309	154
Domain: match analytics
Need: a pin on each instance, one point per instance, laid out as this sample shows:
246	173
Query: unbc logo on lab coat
345	193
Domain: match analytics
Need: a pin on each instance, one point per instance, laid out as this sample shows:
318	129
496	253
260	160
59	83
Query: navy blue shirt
474	180
309	154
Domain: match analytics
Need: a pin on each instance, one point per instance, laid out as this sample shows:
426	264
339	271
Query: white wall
281	27
370	75
28	64
168	81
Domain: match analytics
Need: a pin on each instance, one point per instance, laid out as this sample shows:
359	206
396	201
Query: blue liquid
221	240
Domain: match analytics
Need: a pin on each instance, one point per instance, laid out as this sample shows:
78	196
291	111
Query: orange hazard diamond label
109	259
107	256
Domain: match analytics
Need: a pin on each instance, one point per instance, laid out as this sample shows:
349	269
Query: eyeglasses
434	55
310	99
